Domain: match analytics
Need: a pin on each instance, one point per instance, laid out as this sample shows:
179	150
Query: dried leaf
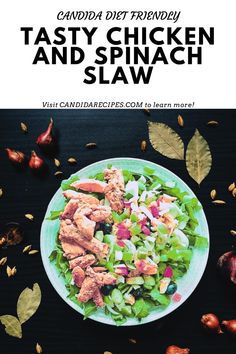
33	252
23	127
28	303
1	192
27	248
57	163
143	145
233	232
29	216
213	194
12	325
166	141
218	202
198	158
231	187
91	145
38	348
180	121
212	123
72	160
3	260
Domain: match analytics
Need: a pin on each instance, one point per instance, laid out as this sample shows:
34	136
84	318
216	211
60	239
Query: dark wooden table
57	327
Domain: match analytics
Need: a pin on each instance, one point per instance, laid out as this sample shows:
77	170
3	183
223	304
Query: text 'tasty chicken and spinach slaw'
124	240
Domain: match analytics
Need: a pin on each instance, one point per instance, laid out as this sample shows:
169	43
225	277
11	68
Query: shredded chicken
114	191
83	262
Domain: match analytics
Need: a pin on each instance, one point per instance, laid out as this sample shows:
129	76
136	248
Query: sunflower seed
231	187
29	216
72	160
143	145
8	271
212	123
58	173
180	121
1	192
3	261
57	163
91	145
13	271
23	127
33	252
27	248
132	340
213	194
219	202
38	348
234	192
233	232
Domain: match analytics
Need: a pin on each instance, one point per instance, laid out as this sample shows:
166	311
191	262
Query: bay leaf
166	141
28	303
198	157
12	325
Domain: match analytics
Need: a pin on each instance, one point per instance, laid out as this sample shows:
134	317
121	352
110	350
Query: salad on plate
124	241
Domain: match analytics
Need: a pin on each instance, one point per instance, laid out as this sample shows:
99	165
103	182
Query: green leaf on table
28	303
12	325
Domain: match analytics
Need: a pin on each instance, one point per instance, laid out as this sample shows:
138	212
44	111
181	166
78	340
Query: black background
57	327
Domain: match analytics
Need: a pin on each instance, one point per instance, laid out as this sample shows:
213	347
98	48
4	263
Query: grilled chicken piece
90	185
71	249
86	227
101	278
70	210
145	267
70	233
99	269
114	191
100	213
78	276
88	288
83	262
97	298
80	197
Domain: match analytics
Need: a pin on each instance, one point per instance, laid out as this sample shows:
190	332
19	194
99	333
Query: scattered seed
233	232
10	271
132	340
147	111
231	187
218	201
3	241
234	192
107	352
91	145
180	121
13	271
33	252
58	173
213	123
24	127
27	249
72	160
213	194
1	192
143	145
3	261
57	163
38	348
29	216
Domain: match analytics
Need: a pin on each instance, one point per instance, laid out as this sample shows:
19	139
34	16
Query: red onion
168	273
227	266
120	243
15	156
46	137
154	211
122	270
143	222
123	232
230	326
146	230
35	162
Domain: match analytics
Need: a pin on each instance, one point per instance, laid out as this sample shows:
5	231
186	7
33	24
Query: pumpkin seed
72	160
219	202
213	194
3	261
234	192
27	248
233	232
91	145
180	121
57	163
143	145
29	216
38	348
231	187
24	127
212	123
1	192
33	252
58	173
